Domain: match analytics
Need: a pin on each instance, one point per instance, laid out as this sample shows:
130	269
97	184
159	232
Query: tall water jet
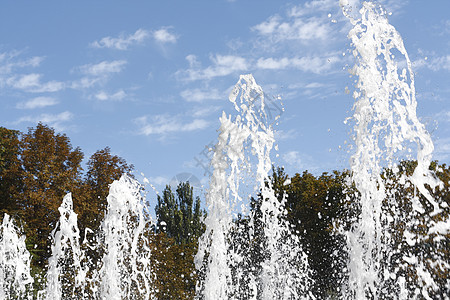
126	271
65	274
283	269
15	272
387	131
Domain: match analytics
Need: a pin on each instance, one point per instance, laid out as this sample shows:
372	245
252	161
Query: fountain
65	275
15	278
248	250
386	131
284	270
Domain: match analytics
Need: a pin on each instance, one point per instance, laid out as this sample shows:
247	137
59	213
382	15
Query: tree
11	172
51	168
173	264
412	220
90	202
313	204
179	224
178	216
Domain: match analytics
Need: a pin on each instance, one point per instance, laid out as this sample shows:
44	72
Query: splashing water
256	256
248	135
65	275
386	130
15	279
125	271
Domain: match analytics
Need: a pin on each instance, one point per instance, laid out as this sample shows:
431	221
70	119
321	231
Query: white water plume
387	131
248	136
15	277
126	271
65	275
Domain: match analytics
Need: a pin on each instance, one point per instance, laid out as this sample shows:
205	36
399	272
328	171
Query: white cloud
314	64
38	102
54	120
193	62
204	111
299	161
433	63
163	36
158	180
97	73
104	96
123	41
7	64
440	63
222	65
103	68
311	29
164	124
281	135
199	95
313	7
442	149
268	27
32	83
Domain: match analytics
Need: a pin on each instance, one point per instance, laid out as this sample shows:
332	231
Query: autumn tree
313	204
91	203
11	172
413	231
51	168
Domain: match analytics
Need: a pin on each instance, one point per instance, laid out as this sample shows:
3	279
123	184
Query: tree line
39	167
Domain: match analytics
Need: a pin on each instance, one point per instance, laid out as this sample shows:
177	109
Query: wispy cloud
222	65
38	102
158	180
32	83
104	96
314	64
198	112
434	63
54	120
123	41
301	23
103	68
299	161
164	36
281	135
311	29
201	95
312	7
97	73
442	149
8	62
163	125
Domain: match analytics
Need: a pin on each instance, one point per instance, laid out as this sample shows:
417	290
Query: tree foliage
39	167
11	171
179	225
178	215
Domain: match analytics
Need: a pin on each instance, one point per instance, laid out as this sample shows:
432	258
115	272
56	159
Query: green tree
179	224
178	216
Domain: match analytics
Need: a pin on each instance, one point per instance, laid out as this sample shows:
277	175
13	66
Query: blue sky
151	78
